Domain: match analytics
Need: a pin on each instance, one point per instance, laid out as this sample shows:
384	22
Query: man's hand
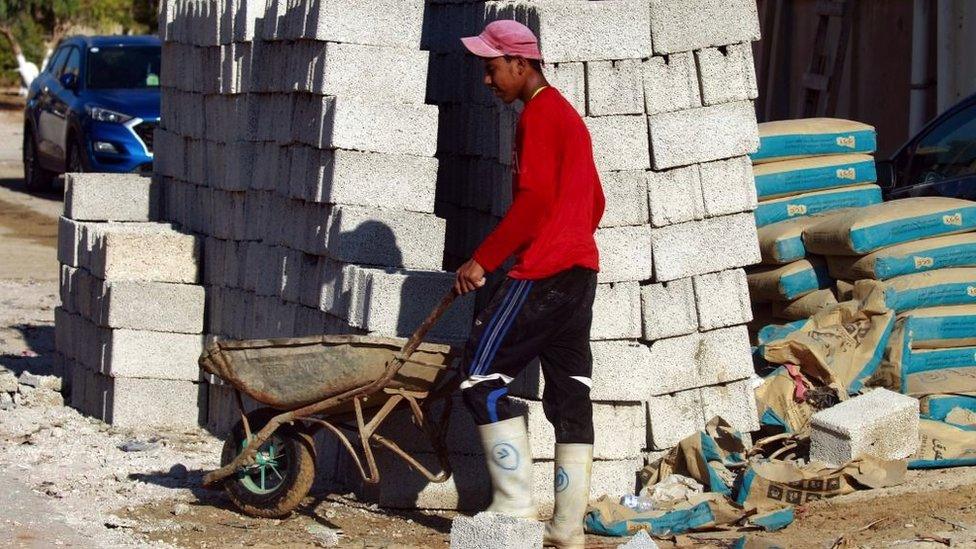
470	277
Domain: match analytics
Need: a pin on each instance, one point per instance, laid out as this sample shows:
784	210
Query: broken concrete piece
52	383
489	530
641	540
881	424
8	382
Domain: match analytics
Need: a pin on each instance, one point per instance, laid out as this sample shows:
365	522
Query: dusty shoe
506	445
572	492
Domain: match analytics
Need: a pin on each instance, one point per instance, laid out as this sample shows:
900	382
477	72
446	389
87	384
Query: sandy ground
68	482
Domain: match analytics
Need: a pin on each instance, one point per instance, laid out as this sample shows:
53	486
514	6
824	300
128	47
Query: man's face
505	77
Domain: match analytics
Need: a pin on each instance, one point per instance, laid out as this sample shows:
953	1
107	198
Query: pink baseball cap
504	37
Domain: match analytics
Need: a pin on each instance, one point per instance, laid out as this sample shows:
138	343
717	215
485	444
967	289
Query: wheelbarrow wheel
281	475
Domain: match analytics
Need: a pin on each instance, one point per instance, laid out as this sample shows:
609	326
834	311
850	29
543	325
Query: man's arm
536	192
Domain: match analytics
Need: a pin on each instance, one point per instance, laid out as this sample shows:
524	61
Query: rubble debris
324	536
52	383
488	530
640	541
881	424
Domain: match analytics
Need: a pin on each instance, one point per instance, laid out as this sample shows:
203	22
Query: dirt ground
68	482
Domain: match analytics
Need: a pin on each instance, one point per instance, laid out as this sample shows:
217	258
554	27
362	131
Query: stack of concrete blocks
298	139
129	327
665	88
295	141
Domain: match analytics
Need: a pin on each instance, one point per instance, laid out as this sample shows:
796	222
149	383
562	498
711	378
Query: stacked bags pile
923	251
805	171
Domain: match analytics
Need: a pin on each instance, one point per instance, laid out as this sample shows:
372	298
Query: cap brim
479	47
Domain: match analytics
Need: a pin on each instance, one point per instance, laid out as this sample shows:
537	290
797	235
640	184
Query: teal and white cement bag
921	372
784	139
955	250
943	445
789	177
958	409
788	282
929	289
782	242
941	327
778	209
865	230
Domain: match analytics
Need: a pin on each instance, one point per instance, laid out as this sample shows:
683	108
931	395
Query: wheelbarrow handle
418	336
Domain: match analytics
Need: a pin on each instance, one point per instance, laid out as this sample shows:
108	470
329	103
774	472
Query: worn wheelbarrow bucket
344	384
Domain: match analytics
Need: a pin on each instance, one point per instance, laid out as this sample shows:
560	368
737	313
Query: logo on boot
505	456
561	480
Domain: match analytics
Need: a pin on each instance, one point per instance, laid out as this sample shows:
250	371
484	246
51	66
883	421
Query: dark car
94	107
939	161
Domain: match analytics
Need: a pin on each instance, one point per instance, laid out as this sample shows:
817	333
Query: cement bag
806	306
943	445
920	372
868	229
783	139
841	345
940	327
844	289
782	242
958	409
956	250
605	517
790	177
781	404
929	289
770	482
706	456
778	209
788	282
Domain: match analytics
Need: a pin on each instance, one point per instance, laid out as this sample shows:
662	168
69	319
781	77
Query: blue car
93	108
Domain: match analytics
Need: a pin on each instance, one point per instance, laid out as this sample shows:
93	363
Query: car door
942	161
44	119
61	100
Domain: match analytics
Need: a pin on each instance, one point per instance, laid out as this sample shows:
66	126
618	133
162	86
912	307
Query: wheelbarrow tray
290	373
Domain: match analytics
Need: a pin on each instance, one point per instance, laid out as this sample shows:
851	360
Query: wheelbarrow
344	384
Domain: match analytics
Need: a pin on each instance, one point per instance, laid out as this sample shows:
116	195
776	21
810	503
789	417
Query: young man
544	308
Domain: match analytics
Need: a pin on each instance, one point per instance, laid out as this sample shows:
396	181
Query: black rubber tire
36	178
75	161
296	447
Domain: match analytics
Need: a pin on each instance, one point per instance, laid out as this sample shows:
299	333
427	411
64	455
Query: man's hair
534	63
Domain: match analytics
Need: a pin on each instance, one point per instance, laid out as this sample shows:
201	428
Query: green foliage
37	24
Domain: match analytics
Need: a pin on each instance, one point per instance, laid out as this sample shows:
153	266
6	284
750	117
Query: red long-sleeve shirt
557	198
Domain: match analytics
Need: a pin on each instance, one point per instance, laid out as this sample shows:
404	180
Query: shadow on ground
39	357
17	185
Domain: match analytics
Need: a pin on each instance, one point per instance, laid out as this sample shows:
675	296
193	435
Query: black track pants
549	319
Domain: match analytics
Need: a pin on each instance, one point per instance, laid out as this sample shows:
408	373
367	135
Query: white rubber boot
506	445
572	490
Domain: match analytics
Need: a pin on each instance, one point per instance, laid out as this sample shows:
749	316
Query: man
544	307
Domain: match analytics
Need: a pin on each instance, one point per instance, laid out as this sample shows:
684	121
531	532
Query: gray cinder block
700	135
727	74
733	402
158	255
671	418
379	22
619	142
625	194
144	354
705	246
699	359
625	253
668	309
383	237
881	424
675	196
110	197
616	311
155	306
614	87
579	31
396	75
371	180
728	186
488	530
146	403
670	83
723	299
684	25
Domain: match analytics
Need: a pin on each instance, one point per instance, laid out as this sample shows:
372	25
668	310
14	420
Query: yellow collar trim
536	92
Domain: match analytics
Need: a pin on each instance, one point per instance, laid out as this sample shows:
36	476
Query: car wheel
36	178
76	157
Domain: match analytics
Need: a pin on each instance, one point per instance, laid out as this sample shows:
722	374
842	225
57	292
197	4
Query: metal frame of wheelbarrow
313	413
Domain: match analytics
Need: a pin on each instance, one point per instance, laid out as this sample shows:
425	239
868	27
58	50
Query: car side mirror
69	80
886	174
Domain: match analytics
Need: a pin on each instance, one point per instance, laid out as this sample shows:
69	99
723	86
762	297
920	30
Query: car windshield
948	151
123	67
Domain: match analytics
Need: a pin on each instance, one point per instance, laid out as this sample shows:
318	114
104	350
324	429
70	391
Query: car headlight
105	115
